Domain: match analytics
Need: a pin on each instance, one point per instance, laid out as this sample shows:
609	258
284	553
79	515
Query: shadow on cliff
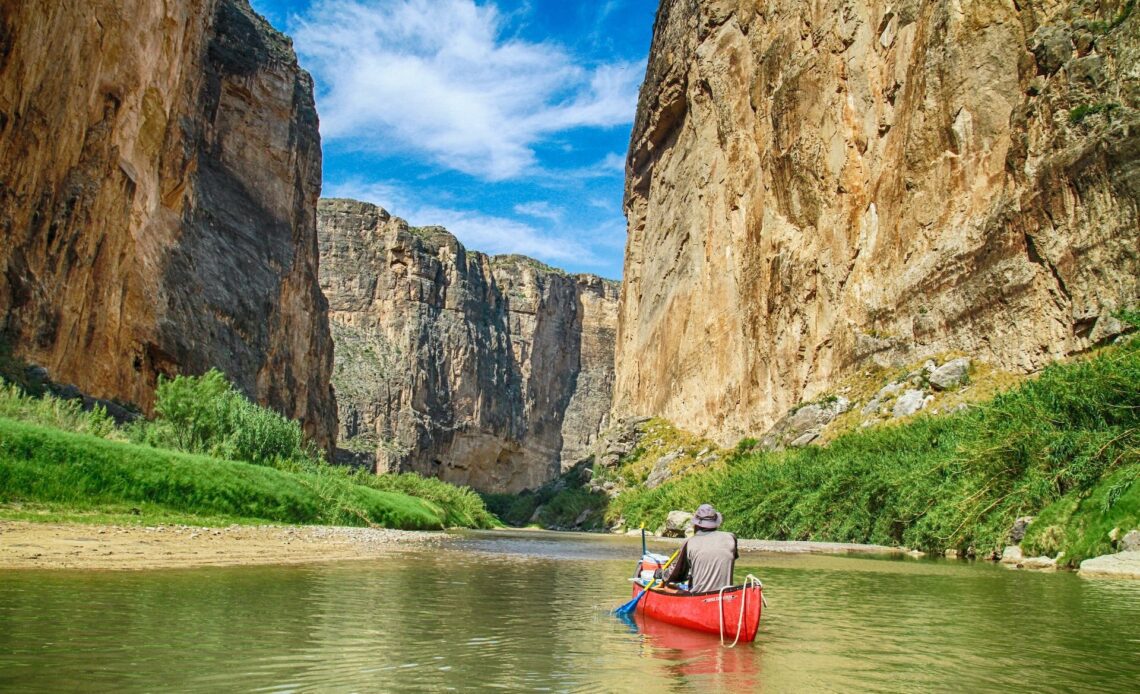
565	503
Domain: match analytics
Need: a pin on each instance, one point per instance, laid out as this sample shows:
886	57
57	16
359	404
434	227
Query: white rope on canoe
749	582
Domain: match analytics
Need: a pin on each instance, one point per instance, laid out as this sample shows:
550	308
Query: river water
530	611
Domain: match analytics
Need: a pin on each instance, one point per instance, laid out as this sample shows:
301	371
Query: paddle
628	608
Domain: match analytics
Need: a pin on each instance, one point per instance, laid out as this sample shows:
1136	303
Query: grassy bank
39	464
211	457
1064	446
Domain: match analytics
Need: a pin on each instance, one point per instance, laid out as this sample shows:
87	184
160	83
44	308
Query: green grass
461	506
48	411
209	422
82	472
1065	444
141	514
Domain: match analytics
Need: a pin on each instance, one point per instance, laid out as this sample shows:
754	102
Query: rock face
494	372
804	425
815	186
158	203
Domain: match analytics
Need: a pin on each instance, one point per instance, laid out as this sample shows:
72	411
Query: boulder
909	403
1119	565
803	425
678	524
951	374
1131	541
1052	46
1038	564
661	471
1012	555
1017	532
582	517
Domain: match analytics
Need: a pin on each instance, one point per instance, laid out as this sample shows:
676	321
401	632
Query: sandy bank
25	545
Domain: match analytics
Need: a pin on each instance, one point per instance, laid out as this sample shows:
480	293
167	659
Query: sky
506	121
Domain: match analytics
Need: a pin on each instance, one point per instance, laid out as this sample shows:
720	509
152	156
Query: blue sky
506	122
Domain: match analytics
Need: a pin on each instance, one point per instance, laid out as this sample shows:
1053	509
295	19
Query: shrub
206	414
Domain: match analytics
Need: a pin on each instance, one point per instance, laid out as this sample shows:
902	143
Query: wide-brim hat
707	517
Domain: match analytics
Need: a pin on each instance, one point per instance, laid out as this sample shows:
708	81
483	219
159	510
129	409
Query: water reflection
532	612
692	658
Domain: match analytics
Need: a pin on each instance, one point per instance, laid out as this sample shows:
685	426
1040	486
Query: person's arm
735	547
680	567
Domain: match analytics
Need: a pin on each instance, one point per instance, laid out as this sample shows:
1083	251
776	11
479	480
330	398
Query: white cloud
478	231
442	78
540	210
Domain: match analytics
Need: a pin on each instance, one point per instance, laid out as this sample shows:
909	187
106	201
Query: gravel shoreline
27	545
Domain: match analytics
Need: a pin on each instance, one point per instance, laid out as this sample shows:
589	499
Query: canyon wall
161	167
813	187
490	371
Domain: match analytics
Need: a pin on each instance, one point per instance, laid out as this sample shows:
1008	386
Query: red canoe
715	612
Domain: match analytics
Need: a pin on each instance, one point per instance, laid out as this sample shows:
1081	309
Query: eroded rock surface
815	186
161	166
494	372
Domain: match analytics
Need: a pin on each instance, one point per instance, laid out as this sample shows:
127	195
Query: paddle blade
628	608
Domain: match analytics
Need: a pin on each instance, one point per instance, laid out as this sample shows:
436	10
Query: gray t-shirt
708	559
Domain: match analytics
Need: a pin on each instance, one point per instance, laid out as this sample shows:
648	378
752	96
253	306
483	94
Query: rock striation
490	371
812	187
161	166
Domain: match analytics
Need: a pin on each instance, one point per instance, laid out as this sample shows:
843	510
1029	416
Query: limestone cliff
494	372
813	186
161	166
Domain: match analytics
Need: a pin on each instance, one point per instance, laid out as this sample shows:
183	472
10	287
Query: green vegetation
210	454
85	472
559	504
1065	445
514	259
1123	15
1103	27
67	415
1083	111
207	415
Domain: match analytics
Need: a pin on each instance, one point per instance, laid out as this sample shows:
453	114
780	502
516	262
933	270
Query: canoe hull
702	611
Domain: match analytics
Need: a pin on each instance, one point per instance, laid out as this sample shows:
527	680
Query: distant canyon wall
490	371
815	187
159	171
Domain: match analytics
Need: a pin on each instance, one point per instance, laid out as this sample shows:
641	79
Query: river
529	611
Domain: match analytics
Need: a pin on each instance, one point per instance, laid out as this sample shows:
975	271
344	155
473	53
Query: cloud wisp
444	79
489	233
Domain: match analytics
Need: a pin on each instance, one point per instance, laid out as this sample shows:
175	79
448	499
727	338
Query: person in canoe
708	558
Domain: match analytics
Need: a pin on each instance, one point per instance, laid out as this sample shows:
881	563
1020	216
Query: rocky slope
157	207
812	187
494	372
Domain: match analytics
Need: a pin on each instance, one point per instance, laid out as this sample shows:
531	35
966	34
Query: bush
206	414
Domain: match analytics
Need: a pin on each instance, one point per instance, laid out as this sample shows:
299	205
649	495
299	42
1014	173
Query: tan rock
813	187
1119	565
161	165
495	372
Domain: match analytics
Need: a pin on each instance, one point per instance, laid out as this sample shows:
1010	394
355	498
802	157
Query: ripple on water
532	613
